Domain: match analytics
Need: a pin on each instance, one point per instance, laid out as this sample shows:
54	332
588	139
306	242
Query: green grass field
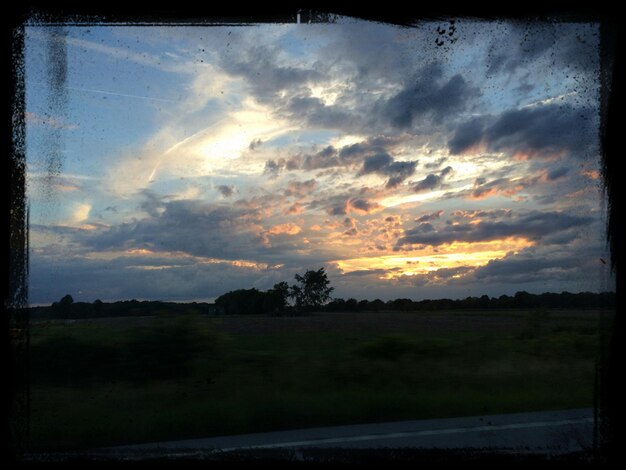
121	381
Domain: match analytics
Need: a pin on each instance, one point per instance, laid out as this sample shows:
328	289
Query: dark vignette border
610	389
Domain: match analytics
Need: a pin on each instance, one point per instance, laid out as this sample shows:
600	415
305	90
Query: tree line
312	292
521	299
253	301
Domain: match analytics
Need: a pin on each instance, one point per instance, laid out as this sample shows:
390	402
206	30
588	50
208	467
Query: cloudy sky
442	160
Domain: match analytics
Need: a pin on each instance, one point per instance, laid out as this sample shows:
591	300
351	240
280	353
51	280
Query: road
551	432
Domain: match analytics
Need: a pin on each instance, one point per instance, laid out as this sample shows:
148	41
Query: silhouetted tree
242	301
336	305
352	305
312	291
276	298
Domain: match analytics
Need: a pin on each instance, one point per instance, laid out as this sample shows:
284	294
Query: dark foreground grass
172	378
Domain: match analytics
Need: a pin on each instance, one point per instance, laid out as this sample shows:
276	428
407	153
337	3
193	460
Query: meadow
113	381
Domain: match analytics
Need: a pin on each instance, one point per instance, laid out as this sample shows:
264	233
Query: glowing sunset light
453	255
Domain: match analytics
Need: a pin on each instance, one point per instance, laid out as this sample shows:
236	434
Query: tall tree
276	298
313	289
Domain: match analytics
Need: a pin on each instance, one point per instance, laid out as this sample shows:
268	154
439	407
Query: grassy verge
182	377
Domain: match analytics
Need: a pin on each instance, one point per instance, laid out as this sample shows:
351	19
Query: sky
447	159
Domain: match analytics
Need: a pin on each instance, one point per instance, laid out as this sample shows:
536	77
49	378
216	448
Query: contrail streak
177	145
124	95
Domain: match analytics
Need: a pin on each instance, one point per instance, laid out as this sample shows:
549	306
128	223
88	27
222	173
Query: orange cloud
513	191
294	209
476	149
591	174
525	155
483	193
363	206
284	229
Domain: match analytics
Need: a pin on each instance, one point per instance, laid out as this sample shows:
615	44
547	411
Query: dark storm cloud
274	167
424	227
152	202
507	267
547	129
447	171
383	164
428	95
394	182
373	145
339	209
376	163
525	42
368	54
482	214
187	226
363	205
197	228
315	113
70	238
432	181
467	135
226	190
516	268
436	164
558	173
533	226
565	46
429	217
373	153
123	279
510	187
443	274
325	158
400	172
261	67
483	189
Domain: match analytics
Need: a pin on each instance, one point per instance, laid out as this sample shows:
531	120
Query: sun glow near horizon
428	259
